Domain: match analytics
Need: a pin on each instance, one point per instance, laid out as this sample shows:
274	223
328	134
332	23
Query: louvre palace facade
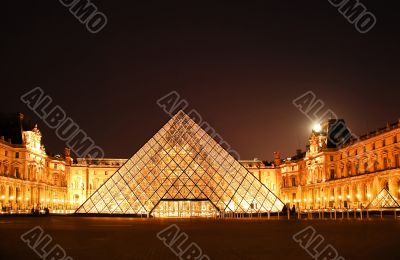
181	171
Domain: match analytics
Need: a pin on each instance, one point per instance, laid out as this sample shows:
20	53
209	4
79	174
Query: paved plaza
130	238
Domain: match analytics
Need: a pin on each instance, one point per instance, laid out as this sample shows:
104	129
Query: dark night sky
239	64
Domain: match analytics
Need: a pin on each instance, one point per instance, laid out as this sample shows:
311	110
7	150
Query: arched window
366	170
376	166
385	163
349	169
332	174
364	192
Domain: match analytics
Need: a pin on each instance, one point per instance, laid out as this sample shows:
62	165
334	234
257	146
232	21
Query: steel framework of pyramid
383	200
181	168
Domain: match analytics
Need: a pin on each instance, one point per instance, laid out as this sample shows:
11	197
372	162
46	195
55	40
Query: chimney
2	137
67	154
277	159
9	140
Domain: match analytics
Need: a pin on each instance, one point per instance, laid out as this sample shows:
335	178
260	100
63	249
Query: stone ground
128	238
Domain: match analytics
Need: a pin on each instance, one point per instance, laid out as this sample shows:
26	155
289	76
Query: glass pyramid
383	200
181	168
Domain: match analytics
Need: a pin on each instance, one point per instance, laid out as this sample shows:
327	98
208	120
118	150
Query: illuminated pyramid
383	200
181	168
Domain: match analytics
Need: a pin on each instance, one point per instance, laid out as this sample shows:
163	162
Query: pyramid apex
180	112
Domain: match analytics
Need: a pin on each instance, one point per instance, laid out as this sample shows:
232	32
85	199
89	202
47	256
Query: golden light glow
178	172
317	127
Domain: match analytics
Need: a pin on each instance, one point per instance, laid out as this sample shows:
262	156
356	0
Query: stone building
325	175
28	176
349	175
87	175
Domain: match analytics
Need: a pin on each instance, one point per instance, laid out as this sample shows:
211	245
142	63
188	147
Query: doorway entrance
184	209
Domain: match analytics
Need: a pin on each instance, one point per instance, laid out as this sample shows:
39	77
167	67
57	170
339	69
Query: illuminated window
385	163
332	172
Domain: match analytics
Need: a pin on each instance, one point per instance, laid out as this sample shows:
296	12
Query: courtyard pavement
130	238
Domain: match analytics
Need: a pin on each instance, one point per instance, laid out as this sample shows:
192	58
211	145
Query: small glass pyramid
181	171
383	200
